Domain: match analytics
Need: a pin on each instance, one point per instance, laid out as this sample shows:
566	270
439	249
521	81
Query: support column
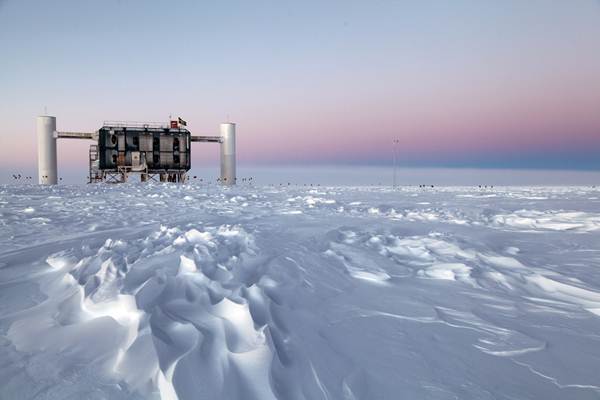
228	173
47	167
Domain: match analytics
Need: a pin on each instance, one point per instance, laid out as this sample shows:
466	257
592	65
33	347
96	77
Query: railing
134	124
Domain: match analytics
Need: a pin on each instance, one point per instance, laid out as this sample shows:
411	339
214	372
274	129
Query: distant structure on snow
157	152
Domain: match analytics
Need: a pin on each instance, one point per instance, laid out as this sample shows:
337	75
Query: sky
462	83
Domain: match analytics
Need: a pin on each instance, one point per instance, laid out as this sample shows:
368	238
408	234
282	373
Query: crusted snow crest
551	220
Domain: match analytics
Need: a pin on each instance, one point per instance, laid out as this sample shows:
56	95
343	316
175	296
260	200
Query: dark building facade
153	149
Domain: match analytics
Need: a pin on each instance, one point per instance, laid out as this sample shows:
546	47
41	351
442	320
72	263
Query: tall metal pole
394	157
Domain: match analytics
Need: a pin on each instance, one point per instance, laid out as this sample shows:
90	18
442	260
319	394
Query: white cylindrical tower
228	153
47	169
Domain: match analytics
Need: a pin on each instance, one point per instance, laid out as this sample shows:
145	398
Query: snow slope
189	292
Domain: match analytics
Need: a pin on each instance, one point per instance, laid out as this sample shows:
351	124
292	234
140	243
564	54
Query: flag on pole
182	122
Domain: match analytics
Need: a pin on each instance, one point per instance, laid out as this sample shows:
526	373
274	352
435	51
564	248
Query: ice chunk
447	271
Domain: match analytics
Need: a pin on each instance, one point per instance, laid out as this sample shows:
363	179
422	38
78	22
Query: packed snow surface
194	292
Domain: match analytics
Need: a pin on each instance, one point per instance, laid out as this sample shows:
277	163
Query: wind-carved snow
549	220
170	298
191	292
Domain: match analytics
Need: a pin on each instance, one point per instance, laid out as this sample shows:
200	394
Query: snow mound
166	300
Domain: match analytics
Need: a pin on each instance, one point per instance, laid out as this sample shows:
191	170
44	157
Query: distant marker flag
182	122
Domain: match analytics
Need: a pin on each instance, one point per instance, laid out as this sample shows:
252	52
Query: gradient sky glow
465	83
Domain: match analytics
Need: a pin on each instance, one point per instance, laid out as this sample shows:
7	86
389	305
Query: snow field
181	291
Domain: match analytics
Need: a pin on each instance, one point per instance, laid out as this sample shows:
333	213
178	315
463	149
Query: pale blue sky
462	83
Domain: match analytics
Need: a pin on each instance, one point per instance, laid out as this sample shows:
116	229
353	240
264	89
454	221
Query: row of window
155	142
155	158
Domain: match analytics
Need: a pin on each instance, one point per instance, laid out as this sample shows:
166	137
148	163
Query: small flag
182	122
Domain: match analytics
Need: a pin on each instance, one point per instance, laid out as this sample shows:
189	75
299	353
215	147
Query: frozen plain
184	291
